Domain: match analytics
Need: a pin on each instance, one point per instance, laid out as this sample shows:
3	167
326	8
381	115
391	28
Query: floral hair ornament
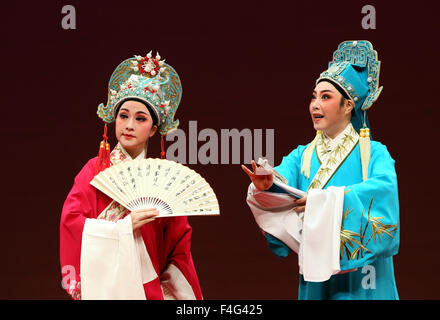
149	80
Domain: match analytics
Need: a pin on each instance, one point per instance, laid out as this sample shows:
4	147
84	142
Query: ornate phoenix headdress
149	80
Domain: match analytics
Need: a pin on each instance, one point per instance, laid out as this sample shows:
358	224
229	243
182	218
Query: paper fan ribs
170	187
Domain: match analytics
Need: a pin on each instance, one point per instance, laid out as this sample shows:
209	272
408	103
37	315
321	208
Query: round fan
170	187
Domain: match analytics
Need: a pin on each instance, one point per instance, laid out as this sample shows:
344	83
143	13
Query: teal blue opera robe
370	231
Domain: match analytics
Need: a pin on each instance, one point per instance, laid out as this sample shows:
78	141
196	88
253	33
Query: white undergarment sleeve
114	262
274	214
320	247
174	285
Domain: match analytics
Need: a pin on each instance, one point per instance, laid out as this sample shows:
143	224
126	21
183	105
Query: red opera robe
167	240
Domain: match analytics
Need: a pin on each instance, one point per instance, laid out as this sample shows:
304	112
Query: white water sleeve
274	214
114	261
320	247
174	285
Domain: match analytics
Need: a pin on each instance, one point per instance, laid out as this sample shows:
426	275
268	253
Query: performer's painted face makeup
326	111
134	126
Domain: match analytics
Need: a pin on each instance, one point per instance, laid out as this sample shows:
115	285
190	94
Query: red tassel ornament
103	154
162	148
107	155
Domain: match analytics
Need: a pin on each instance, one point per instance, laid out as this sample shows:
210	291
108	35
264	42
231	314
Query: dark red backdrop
242	66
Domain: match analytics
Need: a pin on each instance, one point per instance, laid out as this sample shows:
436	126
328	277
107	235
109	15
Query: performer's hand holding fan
170	187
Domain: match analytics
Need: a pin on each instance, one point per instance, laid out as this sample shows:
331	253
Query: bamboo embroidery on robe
348	237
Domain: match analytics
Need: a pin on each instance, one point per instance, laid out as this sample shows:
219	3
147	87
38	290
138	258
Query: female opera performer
107	252
346	229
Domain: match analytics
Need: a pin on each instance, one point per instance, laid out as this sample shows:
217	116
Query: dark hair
341	104
150	109
338	87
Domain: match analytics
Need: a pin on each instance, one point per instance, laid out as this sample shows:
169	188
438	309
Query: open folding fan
170	187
